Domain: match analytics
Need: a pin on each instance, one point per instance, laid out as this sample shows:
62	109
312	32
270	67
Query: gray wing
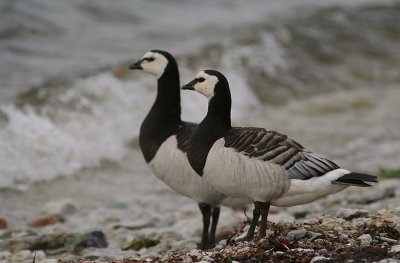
271	146
184	133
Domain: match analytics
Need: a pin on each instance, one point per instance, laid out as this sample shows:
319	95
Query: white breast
172	167
306	191
235	174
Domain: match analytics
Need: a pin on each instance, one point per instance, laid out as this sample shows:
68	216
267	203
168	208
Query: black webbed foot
260	208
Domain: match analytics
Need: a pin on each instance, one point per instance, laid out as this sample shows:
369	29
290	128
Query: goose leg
214	223
264	208
206	212
256	215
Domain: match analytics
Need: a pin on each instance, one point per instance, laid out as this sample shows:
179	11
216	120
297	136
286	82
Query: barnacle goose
164	138
265	166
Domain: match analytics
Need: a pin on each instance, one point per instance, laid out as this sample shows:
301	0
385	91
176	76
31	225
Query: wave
61	127
323	50
76	128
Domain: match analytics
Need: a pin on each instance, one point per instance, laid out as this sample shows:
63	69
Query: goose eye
150	59
201	79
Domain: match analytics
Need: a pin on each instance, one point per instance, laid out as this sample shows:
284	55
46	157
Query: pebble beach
363	221
74	186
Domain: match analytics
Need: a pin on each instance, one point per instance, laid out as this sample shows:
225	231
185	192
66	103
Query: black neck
213	127
168	100
164	117
219	112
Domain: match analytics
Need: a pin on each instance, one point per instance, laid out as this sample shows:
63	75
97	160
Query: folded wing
277	148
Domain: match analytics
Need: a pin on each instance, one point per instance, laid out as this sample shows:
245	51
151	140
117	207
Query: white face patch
154	63
207	86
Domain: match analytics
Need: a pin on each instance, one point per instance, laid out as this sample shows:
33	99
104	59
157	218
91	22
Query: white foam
92	120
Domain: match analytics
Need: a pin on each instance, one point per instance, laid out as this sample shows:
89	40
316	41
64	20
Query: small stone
389	260
133	225
282	217
5	255
17	233
95	239
340	220
3	223
319	242
48	260
395	249
310	221
296	234
381	211
222	242
187	259
349	213
195	253
338	229
22	255
365	240
360	222
319	259
316	236
219	247
323	252
46	220
302	250
61	241
139	243
17	244
69	258
61	207
39	255
92	257
207	259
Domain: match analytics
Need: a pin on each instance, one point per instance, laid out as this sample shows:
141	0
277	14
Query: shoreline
168	228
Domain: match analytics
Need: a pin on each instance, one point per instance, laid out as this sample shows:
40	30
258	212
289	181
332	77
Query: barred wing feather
277	148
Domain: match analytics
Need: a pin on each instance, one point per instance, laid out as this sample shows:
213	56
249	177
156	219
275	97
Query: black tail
357	179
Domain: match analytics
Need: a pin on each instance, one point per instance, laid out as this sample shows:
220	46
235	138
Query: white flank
306	191
155	67
171	166
235	174
207	86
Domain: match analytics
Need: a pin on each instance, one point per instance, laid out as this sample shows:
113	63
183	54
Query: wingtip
358	179
353	183
363	177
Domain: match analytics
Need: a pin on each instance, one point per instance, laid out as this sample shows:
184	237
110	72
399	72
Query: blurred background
327	73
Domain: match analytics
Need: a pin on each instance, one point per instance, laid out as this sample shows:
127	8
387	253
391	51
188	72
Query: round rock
61	207
349	213
319	259
365	240
296	234
395	249
48	260
3	223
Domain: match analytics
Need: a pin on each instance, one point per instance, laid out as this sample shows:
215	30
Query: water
325	73
67	102
44	38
